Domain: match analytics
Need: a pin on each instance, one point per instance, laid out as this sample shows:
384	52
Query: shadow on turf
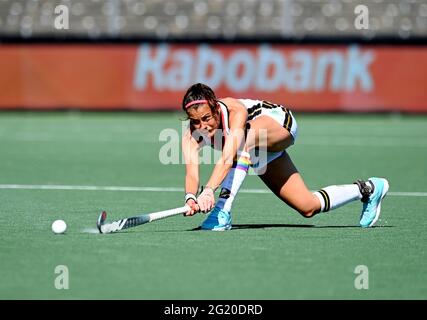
281	225
269	225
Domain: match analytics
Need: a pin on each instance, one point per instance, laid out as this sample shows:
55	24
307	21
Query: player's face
202	119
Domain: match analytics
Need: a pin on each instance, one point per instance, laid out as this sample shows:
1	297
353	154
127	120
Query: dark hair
200	91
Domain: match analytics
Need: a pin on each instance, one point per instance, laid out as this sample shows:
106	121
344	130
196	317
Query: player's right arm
190	150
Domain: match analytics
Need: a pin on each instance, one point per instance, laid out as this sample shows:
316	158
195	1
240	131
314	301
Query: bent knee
307	212
309	207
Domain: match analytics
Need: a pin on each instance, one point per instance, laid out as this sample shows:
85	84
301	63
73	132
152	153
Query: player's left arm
233	142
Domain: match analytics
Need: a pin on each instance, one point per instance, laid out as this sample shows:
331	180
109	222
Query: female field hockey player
240	128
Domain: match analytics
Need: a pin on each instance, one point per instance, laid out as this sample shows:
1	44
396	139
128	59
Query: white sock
333	197
233	181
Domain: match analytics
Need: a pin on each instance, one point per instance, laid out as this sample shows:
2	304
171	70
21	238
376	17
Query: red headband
188	105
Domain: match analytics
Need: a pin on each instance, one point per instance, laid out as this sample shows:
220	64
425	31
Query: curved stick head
101	219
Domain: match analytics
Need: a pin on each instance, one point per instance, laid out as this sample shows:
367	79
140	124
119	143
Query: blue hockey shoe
372	200
218	220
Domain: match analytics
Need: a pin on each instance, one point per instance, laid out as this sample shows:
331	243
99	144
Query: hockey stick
126	223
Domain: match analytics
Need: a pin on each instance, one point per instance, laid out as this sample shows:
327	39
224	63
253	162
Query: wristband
189	196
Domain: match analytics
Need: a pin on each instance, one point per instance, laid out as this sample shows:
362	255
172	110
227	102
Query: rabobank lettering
155	76
262	68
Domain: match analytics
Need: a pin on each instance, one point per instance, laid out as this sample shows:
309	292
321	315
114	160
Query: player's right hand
194	208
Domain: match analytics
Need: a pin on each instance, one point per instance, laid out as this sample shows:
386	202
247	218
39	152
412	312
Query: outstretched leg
283	179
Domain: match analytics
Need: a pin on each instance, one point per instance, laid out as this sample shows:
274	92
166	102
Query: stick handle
167	213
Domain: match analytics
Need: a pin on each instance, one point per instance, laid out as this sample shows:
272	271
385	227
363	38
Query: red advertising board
155	76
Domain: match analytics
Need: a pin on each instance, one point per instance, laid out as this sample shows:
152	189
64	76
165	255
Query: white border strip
154	189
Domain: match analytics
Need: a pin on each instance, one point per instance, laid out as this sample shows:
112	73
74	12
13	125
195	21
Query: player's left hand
194	208
206	200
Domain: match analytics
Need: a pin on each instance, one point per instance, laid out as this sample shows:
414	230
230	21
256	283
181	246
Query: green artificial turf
271	253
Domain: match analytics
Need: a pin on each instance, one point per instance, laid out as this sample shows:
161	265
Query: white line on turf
155	189
303	141
90	230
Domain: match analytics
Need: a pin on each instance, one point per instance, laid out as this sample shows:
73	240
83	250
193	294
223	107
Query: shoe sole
228	227
383	194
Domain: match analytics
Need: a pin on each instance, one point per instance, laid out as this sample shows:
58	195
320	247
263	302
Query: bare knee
309	207
308	211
